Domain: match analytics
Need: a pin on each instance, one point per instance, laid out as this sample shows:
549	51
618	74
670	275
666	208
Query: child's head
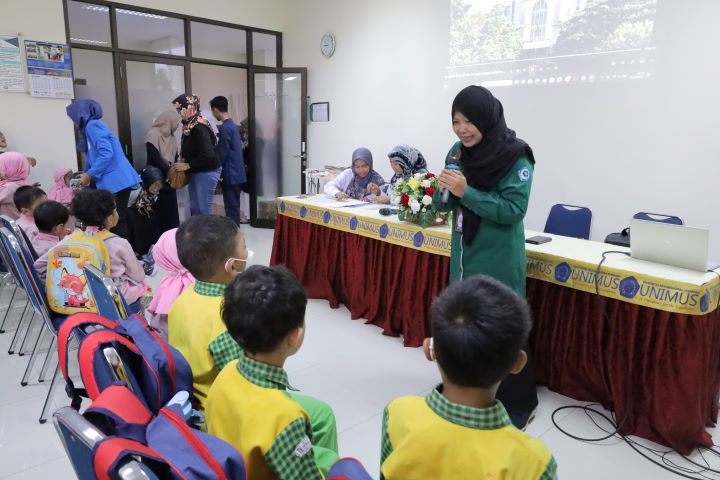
219	106
26	198
152	178
264	311
52	217
95	208
479	328
212	248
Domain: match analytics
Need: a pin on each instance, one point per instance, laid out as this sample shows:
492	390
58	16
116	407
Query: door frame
123	96
251	160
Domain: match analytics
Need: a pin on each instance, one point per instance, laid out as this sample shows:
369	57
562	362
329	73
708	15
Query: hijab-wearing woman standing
405	162
359	181
162	153
198	155
106	163
489	195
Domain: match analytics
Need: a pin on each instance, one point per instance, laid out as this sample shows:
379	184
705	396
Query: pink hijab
177	278
60	192
14	168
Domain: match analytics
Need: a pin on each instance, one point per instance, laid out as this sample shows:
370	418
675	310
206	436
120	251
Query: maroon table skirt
673	359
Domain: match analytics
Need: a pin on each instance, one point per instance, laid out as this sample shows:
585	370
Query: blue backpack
128	351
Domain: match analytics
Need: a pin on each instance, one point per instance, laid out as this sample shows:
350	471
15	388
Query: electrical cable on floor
663	461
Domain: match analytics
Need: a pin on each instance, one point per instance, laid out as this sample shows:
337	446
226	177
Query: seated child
479	327
174	283
51	219
14	171
295	436
96	210
213	250
359	181
26	199
61	191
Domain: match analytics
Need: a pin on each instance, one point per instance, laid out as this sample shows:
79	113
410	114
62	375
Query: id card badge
459	221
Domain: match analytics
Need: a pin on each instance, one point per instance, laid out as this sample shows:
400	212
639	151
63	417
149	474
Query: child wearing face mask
213	250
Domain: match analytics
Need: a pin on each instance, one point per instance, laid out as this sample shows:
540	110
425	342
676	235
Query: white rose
427	200
419	176
426	183
414	206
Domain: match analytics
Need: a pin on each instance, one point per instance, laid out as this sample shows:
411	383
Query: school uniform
43	243
27	223
195	327
466	442
294	438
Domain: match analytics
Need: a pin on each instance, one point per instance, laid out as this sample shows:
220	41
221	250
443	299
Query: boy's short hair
479	326
220	103
92	207
262	305
26	196
204	243
49	215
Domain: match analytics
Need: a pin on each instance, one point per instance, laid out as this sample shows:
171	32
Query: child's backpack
67	287
165	444
129	352
348	469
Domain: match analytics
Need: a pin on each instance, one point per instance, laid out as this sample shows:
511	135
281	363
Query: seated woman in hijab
405	161
359	181
144	226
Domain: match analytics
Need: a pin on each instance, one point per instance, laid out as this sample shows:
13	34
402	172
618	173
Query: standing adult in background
106	166
197	154
489	194
162	153
231	156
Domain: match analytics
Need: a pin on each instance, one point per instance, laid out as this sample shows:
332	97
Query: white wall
616	148
39	127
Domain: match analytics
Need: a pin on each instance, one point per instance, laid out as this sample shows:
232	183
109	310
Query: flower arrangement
414	198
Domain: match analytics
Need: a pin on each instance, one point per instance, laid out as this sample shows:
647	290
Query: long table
653	329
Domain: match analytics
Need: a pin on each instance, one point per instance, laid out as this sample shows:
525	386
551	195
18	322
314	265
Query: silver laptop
676	245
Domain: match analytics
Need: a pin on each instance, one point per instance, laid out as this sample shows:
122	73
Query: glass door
149	85
278	130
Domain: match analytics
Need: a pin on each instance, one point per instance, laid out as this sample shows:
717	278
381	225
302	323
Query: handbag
621	239
177	179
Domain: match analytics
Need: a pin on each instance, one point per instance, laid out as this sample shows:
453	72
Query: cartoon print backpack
67	288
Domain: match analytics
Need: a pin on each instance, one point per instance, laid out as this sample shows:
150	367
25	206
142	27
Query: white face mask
230	261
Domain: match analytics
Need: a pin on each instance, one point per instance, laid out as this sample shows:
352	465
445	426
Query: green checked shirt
223	348
232	410
467	442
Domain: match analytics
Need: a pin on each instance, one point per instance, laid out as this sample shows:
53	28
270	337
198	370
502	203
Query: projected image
540	42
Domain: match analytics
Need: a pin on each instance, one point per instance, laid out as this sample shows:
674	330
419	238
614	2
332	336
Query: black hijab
486	163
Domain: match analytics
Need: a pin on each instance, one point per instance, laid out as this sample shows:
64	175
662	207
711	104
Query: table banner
403	234
627	286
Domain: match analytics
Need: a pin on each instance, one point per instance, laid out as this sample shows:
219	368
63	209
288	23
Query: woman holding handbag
197	154
162	153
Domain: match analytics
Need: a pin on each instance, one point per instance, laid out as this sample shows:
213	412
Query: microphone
453	163
389	211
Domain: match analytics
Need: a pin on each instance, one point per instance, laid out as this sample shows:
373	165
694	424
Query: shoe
244	221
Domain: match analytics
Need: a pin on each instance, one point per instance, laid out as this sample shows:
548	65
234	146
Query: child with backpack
52	219
26	199
96	213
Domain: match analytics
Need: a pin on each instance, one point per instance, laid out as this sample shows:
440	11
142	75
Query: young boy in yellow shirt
460	430
281	434
213	250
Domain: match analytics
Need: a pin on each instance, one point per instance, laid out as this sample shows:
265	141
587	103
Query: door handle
302	155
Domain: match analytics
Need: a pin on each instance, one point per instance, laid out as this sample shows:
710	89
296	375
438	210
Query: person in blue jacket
229	149
106	166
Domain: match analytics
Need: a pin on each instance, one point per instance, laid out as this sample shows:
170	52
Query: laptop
676	245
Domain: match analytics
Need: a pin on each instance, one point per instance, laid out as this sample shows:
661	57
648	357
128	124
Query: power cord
663	460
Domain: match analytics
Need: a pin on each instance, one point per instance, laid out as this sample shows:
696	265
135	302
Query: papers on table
332	202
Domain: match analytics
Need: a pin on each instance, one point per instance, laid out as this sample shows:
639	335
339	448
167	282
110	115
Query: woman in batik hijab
405	162
359	181
197	154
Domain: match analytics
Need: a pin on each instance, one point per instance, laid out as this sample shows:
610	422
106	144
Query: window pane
218	43
89	24
95	79
150	32
264	49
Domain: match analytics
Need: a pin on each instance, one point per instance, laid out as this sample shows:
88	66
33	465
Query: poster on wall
11	74
49	69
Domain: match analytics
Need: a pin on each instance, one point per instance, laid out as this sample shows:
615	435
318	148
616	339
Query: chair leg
9	307
48	357
33	357
28	332
51	393
19	328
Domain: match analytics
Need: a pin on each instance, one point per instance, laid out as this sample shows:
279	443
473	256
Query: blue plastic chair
17	292
29	279
659	217
569	221
12	225
108	299
21	325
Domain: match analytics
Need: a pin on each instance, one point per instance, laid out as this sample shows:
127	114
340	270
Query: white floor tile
59	468
363	442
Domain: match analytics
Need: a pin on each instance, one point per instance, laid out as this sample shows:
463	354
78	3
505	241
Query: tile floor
350	365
